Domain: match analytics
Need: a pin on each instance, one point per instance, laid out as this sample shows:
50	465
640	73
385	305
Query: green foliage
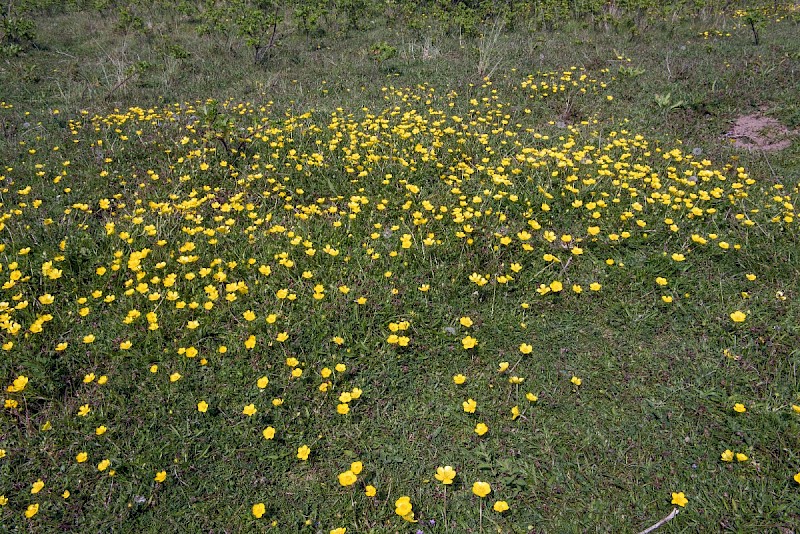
309	14
256	22
16	30
353	10
757	21
383	51
127	21
630	72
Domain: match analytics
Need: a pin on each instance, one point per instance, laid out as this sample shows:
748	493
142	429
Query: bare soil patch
757	132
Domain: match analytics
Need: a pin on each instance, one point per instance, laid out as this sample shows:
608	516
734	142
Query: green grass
440	151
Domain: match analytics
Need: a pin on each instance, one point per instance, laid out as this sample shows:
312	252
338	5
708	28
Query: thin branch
661	523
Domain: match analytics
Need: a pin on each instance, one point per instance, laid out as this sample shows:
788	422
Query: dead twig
671	515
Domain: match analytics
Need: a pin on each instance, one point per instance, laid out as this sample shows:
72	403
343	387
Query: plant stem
445	507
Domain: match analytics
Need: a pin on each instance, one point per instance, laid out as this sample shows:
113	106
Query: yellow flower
103	465
594	286
174	377
469	342
89	338
667	298
525	348
356	467
531	397
469	405
679	499
259	509
340	530
739	408
161	476
303	451
100	430
481	429
283	336
575	380
661	281
3	500
501	368
37	486
370	491
268	433
348	478
795	408
514	413
727	456
741	457
556	286
445	474
465	322
18	385
459	379
678	257
738	316
81	457
797	478
262	382
250	342
32	510
343	408
481	489
403	508
249	315
500	506
202	406
340	368
249	410
84	410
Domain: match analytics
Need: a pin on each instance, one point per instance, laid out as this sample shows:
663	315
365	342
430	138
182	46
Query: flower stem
445	508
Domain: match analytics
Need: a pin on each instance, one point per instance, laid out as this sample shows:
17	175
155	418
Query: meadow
409	271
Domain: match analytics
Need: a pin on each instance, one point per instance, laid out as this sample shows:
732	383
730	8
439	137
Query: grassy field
283	296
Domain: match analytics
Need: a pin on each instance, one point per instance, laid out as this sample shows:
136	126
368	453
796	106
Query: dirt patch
757	132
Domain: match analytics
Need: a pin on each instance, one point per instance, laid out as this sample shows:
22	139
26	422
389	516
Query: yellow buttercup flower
348	478
679	499
445	474
481	489
500	507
